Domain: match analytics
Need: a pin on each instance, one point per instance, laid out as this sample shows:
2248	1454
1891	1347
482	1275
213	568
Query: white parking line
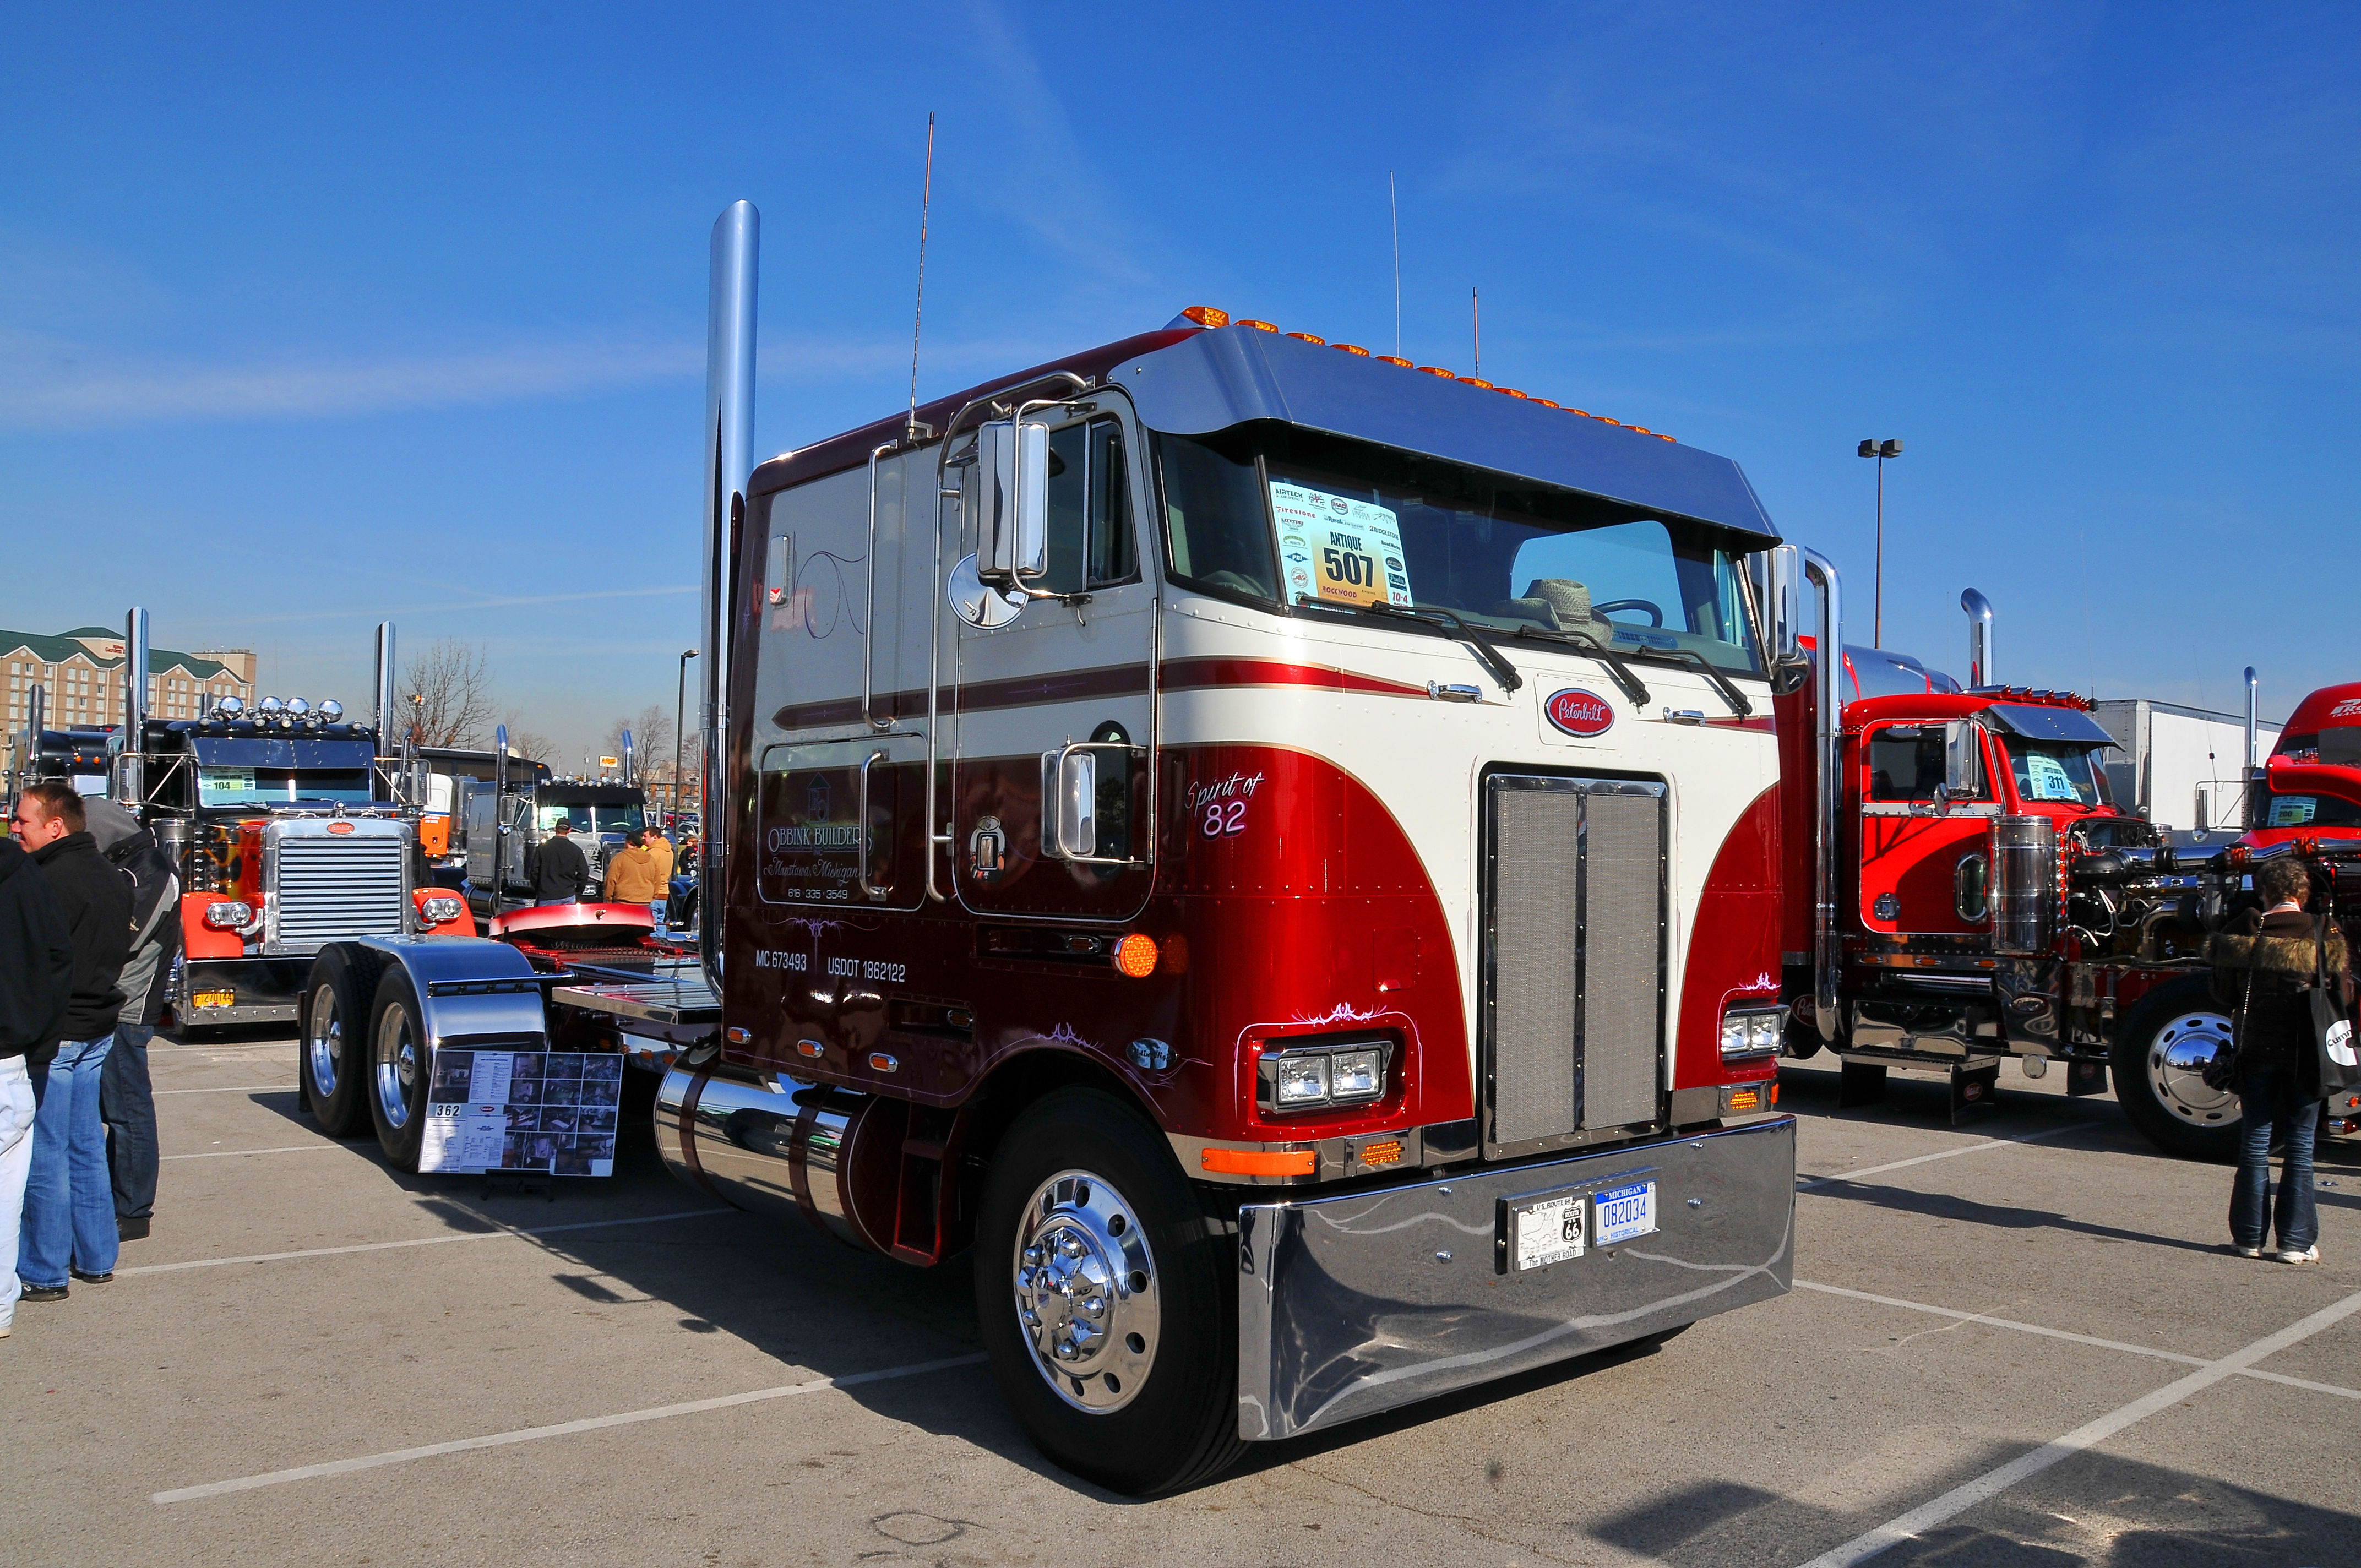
527	1232
248	1046
1992	1482
233	1153
231	1088
1983	1146
563	1429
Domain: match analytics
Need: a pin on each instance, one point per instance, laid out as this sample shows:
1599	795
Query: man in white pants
36	984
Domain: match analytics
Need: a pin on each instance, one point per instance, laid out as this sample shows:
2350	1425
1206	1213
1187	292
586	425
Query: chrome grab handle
869	626
1442	693
1684	716
867	888
1053	767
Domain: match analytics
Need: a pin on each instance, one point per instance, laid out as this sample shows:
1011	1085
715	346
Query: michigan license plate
1547	1231
1624	1212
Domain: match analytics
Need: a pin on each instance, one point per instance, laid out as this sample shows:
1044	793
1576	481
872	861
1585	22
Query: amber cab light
1260	1162
1207	316
1259	326
1307	337
1351	348
1439	370
1136	955
1477	381
1396	359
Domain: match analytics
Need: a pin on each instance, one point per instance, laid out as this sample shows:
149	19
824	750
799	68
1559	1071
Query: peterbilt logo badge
1579	712
340	828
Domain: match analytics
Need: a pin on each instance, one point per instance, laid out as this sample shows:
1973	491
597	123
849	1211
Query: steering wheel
1655	616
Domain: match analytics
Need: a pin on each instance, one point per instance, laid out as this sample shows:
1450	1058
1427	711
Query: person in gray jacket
127	1100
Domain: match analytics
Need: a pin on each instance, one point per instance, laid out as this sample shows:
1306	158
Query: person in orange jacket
631	874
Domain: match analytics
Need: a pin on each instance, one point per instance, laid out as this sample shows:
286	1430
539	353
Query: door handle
1442	693
867	889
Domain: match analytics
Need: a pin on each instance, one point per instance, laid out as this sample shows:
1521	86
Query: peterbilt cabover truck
1274	849
1961	890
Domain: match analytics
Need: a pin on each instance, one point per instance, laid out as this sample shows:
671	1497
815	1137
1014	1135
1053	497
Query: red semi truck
1275	851
1961	890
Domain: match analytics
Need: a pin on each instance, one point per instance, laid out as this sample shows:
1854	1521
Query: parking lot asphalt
2015	1341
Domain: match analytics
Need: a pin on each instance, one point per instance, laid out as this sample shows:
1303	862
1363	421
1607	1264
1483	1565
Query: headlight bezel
1753	1033
228	914
1308	1063
442	909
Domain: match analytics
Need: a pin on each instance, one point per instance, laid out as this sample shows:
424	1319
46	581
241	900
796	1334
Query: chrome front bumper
1352	1305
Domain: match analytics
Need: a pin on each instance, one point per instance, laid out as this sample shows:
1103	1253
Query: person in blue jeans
2264	970
69	1223
69	1194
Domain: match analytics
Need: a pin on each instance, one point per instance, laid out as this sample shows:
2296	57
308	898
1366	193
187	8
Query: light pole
679	710
1880	450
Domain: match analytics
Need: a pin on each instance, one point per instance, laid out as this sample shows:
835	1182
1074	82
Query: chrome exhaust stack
2254	718
386	677
728	462
1980	632
130	779
1828	735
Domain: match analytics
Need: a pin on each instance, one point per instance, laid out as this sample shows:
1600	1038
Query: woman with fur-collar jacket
2264	967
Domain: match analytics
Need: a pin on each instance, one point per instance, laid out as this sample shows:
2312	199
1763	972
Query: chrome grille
1574	974
329	889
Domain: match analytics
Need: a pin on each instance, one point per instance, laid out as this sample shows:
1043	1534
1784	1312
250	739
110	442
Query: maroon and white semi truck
1273	848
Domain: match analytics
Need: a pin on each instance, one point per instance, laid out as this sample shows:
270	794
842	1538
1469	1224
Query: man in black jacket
560	870
2265	969
36	984
127	1100
69	1196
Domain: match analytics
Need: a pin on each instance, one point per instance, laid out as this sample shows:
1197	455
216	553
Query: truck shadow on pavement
2094	1508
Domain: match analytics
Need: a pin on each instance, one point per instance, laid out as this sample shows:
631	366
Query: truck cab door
1925	845
1064	691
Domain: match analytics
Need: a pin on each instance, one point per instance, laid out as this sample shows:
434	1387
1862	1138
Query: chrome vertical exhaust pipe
130	779
386	677
728	461
1828	735
1980	631
2253	717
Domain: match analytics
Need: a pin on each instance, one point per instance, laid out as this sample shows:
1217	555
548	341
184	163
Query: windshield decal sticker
2050	779
1337	549
1579	712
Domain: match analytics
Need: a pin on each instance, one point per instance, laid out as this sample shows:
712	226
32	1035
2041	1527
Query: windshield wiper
1492	659
1592	645
1721	682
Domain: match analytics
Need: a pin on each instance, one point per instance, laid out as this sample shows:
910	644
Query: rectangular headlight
1302	1080
1752	1032
1357	1075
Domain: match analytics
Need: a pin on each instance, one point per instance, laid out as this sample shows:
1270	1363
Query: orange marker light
1396	359
1136	955
1385	1153
1745	1099
1510	392
1474	383
1639	430
1351	348
1260	1162
1547	404
1439	370
1307	337
1584	412
1661	436
1259	326
1207	316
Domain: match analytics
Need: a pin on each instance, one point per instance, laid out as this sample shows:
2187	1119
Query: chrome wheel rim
324	1043
2176	1061
1086	1292
397	1065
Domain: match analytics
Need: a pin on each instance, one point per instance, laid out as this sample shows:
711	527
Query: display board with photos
547	1111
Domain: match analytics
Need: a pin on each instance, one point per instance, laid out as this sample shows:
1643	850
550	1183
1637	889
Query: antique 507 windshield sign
1337	549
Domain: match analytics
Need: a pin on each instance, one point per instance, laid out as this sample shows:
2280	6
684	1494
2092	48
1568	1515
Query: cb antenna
1476	324
918	314
1394	203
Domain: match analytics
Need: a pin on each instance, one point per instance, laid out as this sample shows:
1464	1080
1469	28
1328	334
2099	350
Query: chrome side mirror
1779	582
1070	795
1013	502
1963	773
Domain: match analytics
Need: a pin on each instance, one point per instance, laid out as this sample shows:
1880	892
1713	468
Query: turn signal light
229	914
1207	316
1260	1162
1387	1152
1745	1099
1136	955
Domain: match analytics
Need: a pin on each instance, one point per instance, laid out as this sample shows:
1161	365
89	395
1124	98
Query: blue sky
311	317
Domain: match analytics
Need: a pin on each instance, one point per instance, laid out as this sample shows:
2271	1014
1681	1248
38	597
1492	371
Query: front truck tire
2160	1048
1107	1299
332	1044
399	1070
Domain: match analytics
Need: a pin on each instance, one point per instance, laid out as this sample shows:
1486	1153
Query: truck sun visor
2039	723
1212	380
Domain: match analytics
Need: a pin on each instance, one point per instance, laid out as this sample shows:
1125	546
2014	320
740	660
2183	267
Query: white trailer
2180	767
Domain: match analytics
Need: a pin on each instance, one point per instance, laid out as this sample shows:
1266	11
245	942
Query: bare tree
450	691
650	741
530	744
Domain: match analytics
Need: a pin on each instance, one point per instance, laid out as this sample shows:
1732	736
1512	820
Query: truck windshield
1272	513
276	786
593	819
2276	810
2055	770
